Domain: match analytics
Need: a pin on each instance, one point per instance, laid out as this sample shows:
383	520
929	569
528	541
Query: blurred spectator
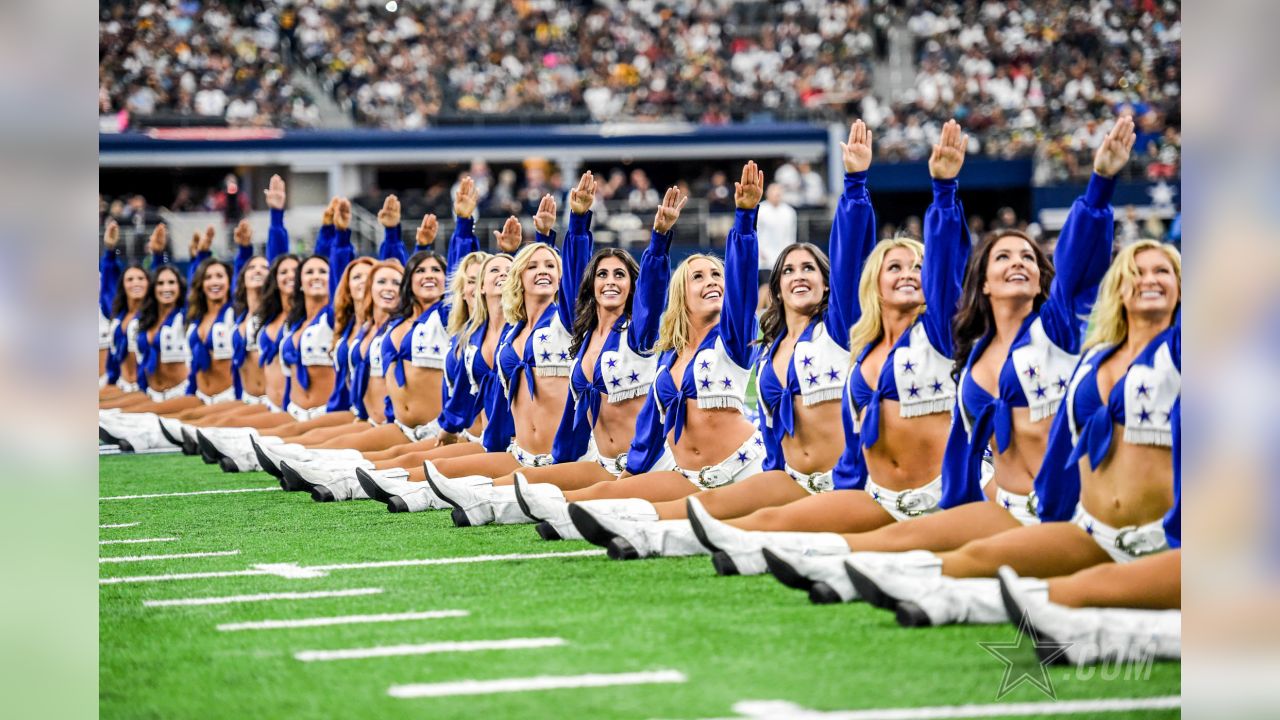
775	226
719	195
643	196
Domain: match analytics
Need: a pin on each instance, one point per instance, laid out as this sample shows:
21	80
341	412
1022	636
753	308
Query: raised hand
545	219
275	193
159	239
1114	151
464	205
669	211
330	209
948	155
582	196
510	236
206	243
195	245
243	234
748	191
111	235
857	152
342	214
389	215
427	230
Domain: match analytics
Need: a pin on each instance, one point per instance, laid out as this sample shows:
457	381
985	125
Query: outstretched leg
838	511
652	486
767	489
1042	551
377	438
1153	583
484	464
940	531
566	476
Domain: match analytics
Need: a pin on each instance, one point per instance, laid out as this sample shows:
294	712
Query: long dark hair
773	321
408	302
197	302
149	313
270	306
240	303
120	303
584	321
298	303
973	318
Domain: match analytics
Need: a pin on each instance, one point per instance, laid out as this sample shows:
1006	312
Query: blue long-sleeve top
1141	402
915	373
244	253
716	376
392	247
1173	520
820	357
277	236
109	271
1036	371
482	391
625	365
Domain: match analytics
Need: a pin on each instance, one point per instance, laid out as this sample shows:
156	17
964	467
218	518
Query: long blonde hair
870	326
513	290
479	304
1109	322
366	303
673	329
460	310
344	306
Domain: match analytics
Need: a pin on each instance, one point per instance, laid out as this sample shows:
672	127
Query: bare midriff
322	379
818	441
1016	467
538	418
1132	486
908	452
274	371
420	400
710	436
616	426
216	379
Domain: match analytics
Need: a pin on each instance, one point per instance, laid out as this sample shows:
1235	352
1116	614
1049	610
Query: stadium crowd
1025	76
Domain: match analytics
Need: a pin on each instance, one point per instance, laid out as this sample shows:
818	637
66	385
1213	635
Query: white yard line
781	710
344	566
341	620
428	649
543	682
183	494
119	525
260	598
172	556
135	541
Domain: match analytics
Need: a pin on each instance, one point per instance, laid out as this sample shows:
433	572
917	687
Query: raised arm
108	267
544	221
655	275
327	232
853	234
575	252
946	239
277	235
201	250
243	236
1083	252
463	242
392	246
737	316
342	251
158	246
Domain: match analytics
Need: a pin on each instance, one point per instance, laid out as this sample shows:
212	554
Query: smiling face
385	287
168	287
358	281
704	288
427	282
255	273
216	283
287	276
1155	291
495	274
1012	271
315	278
136	284
612	284
541	278
800	282
899	281
471	277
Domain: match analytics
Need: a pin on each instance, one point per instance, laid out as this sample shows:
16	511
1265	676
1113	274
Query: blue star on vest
1032	372
542	337
936	386
705	383
1143	390
834	374
727	383
1062	383
419	349
806	361
611	362
704	364
435	349
1144	415
615	382
908	366
759	441
742	457
634	376
813	379
913	391
1040	391
545	356
564	356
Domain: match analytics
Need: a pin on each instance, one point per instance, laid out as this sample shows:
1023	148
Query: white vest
430	343
923	376
1044	371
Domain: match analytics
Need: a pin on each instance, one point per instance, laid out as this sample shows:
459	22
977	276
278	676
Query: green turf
735	638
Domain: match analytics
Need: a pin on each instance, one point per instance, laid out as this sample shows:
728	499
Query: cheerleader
616	324
121	295
704	338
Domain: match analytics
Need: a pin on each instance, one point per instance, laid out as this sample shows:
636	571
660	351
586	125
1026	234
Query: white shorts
1021	507
615	466
529	459
176	391
126	386
248	399
909	503
818	482
102	381
422	432
302	414
225	396
1123	544
468	437
742	463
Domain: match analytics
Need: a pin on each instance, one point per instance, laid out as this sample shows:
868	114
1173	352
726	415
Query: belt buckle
1031	504
1125	539
902	505
707	473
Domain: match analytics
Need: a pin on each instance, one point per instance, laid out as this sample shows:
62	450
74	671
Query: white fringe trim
926	407
1148	436
719	403
552	371
619	396
821	396
1047	410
